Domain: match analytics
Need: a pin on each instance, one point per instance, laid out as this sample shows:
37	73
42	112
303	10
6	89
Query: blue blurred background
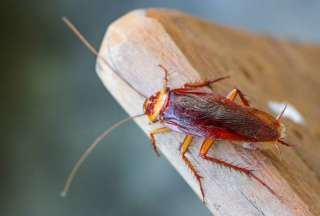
53	105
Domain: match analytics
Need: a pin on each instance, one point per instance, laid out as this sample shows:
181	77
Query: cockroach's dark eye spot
298	134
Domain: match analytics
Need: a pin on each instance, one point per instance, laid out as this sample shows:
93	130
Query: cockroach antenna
194	112
282	112
109	130
90	149
74	29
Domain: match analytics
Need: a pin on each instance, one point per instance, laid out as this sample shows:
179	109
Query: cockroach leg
185	144
184	149
153	138
207	144
204	83
165	79
234	93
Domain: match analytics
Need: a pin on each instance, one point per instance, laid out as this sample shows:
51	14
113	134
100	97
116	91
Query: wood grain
266	69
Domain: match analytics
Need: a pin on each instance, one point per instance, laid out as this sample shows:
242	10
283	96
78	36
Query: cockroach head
153	105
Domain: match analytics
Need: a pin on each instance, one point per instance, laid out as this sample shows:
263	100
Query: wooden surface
265	69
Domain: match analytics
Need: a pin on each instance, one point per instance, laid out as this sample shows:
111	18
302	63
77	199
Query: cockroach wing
207	115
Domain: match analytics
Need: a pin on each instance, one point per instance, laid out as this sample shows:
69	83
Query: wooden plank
264	68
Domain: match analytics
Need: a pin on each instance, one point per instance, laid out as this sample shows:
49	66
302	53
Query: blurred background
53	105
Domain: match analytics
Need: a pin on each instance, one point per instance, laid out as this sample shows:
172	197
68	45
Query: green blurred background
53	105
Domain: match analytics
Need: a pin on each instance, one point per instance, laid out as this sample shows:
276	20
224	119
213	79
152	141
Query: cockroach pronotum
194	112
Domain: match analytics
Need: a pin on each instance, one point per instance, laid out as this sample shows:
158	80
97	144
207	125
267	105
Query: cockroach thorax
153	105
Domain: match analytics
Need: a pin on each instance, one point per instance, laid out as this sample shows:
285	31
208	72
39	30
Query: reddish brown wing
206	115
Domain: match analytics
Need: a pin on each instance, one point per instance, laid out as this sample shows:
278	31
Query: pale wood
264	68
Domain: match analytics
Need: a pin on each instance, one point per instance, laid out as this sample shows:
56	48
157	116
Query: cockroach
197	113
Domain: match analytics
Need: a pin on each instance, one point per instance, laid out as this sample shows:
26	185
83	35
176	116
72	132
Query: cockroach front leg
204	83
184	149
208	143
153	138
234	93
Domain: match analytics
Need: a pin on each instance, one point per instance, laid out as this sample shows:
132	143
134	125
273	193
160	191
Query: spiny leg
153	138
184	148
204	83
207	144
234	93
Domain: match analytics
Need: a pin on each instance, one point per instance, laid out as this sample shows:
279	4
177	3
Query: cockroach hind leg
207	144
184	149
153	138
